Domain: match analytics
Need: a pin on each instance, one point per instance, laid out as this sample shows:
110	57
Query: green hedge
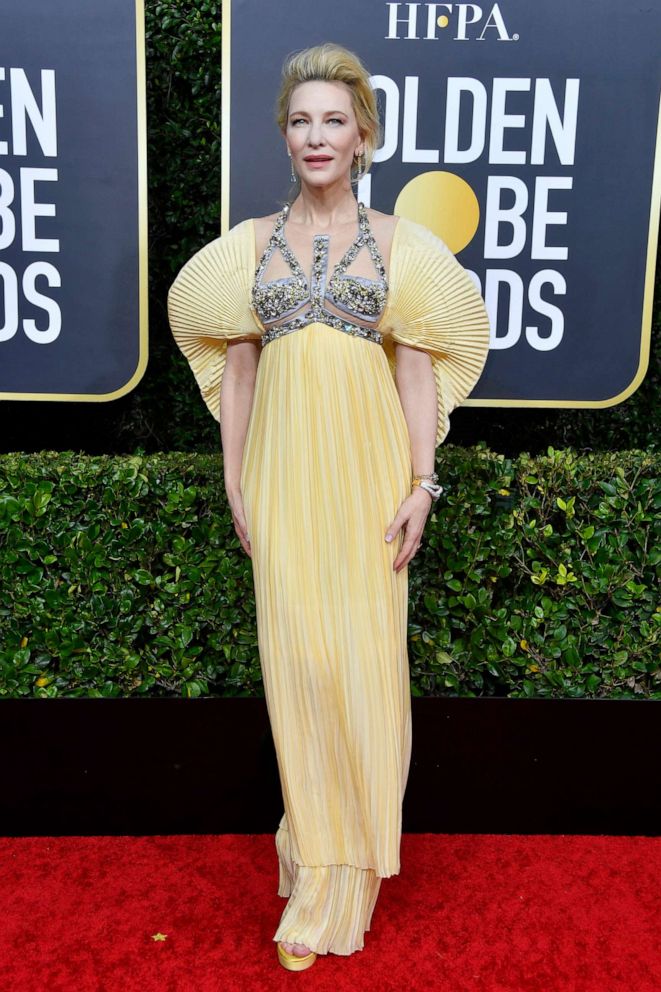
124	576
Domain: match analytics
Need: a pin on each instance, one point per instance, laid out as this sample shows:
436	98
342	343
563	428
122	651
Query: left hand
412	516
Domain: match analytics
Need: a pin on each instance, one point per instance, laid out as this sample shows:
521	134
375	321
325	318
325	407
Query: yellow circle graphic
443	21
444	203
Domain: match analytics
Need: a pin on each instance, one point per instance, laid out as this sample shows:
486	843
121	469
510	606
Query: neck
324	207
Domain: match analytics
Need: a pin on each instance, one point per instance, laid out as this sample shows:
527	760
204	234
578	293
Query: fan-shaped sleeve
209	304
436	307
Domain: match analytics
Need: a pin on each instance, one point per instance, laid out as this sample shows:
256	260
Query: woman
342	338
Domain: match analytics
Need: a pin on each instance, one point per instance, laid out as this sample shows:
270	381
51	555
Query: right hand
235	500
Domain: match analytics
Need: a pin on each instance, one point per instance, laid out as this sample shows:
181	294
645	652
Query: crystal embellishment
355	296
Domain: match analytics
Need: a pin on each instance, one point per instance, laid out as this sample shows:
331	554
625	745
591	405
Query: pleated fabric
209	305
433	304
326	465
330	907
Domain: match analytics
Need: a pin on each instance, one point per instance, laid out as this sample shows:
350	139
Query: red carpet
485	913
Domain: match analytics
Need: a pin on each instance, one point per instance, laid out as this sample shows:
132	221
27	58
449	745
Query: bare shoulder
383	228
380	222
265	223
263	228
386	221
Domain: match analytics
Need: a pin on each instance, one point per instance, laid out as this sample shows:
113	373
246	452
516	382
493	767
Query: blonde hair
333	63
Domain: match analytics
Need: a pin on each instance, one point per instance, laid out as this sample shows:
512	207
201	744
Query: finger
241	525
404	563
407	535
407	552
244	544
400	563
241	532
393	530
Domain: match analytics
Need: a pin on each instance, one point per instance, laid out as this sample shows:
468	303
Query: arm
416	386
236	397
437	308
213	324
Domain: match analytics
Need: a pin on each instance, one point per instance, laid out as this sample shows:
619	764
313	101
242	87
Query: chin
317	180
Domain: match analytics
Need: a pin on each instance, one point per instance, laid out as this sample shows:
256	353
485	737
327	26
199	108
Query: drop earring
293	177
360	166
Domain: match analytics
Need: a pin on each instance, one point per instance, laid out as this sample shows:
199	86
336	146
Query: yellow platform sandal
293	962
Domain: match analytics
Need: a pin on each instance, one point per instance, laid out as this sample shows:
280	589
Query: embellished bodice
291	302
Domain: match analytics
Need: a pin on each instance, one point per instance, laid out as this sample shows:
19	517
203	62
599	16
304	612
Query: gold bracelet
432	488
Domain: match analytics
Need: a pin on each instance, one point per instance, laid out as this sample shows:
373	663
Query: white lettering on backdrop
27	119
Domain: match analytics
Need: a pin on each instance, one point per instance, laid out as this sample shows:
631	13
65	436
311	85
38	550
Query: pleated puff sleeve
435	306
209	304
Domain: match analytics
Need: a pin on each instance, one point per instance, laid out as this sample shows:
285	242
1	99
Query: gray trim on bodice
355	295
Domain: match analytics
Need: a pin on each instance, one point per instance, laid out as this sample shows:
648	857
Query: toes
300	950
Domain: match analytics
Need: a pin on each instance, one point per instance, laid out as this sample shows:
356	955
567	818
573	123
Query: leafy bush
124	576
548	577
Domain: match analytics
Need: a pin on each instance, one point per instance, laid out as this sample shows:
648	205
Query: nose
315	136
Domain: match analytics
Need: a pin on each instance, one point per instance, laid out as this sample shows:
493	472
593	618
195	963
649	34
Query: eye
299	120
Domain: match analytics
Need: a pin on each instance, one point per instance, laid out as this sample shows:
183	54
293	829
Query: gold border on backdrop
648	303
143	313
650	265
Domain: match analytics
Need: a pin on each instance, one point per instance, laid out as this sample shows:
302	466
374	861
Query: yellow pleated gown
326	465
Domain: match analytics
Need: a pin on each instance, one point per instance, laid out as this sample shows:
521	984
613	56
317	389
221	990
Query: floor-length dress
326	465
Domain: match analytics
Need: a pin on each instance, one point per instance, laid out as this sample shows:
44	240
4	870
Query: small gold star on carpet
159	936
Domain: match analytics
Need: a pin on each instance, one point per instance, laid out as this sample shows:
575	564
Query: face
322	133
